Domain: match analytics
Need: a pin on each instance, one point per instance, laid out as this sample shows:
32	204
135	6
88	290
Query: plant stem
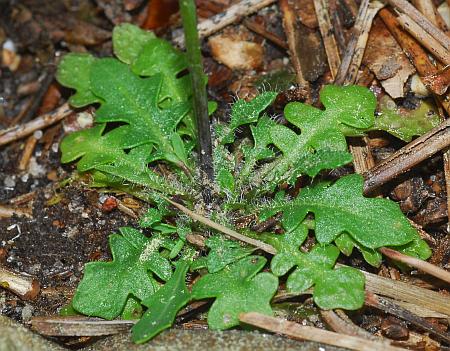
189	16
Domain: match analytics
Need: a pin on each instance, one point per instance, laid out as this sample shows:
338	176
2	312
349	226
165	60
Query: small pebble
10	181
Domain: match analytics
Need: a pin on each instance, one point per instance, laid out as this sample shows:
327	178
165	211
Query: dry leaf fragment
386	60
236	53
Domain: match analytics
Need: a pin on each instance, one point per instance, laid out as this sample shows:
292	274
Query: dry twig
408	9
407	157
416	263
8	212
392	308
301	332
41	122
233	14
424	38
340	323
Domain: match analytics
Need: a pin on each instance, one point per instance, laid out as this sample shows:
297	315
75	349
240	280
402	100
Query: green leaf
133	100
238	288
405	124
246	112
346	243
333	288
91	147
159	57
163	306
416	248
322	133
132	310
128	41
74	71
341	207
260	150
223	252
105	153
106	286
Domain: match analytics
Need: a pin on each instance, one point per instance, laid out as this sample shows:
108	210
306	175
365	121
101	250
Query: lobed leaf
333	288
128	41
106	286
322	139
74	71
238	288
341	207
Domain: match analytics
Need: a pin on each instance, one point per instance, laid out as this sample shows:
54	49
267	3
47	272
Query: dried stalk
24	286
427	9
424	38
408	9
79	326
329	41
256	243
41	122
233	14
401	291
407	157
361	42
351	45
416	263
301	332
390	307
419	310
289	20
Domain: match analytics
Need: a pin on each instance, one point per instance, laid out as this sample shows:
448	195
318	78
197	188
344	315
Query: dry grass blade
401	291
196	217
329	41
301	332
416	263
